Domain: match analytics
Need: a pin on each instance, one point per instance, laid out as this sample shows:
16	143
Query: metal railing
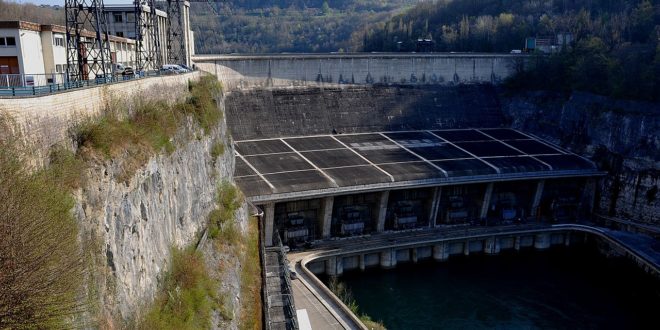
288	289
29	80
12	85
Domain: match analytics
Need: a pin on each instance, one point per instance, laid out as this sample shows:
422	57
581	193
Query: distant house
548	44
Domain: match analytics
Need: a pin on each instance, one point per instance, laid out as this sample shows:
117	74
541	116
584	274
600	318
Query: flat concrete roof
288	168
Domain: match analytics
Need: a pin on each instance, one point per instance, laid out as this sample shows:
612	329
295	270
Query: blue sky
61	2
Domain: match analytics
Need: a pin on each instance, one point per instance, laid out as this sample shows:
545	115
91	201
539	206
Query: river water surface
561	288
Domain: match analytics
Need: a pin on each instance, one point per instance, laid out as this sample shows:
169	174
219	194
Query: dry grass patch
187	297
150	128
41	262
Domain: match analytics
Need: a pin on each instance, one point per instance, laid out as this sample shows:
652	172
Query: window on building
7	41
120	34
58	41
58	68
118	18
130	17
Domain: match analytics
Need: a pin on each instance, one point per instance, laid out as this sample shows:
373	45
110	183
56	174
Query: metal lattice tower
87	43
147	35
176	51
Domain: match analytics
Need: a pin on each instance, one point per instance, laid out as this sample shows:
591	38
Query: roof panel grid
366	141
517	164
253	185
412	171
314	143
488	149
274	163
242	169
392	155
414	139
504	133
444	151
356	175
461	135
465	167
567	162
532	147
298	181
259	147
333	158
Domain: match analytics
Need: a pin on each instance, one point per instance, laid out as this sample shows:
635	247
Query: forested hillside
260	26
31	13
614	52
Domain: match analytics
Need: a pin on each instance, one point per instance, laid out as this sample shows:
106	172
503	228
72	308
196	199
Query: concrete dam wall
265	113
303	69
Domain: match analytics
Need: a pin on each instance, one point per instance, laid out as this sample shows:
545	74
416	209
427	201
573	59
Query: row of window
119	17
7	42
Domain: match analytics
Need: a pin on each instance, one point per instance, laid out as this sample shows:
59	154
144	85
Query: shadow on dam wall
277	112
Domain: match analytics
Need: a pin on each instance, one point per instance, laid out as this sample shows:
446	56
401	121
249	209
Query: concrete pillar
516	244
542	241
269	223
435	206
440	252
361	262
492	245
382	211
327	216
589	195
386	258
340	266
567	239
537	199
486	205
466	248
413	255
331	266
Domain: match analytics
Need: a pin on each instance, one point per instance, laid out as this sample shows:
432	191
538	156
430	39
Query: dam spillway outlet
339	185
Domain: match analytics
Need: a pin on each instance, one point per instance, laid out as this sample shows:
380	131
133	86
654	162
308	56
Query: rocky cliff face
623	137
135	224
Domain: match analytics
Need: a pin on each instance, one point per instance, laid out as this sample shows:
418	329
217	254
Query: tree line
614	47
257	26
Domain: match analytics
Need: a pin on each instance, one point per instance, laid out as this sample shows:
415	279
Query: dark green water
563	288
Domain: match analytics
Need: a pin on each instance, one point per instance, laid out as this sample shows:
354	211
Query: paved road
319	316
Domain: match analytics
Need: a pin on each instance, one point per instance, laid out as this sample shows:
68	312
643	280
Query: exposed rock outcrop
623	137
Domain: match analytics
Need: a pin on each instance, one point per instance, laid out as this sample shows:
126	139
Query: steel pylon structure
148	54
176	39
87	43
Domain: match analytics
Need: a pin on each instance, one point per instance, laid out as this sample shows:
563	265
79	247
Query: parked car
120	69
189	69
173	69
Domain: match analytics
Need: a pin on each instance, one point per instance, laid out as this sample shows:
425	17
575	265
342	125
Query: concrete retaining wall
240	71
47	120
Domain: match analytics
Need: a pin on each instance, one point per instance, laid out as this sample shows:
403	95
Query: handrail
52	88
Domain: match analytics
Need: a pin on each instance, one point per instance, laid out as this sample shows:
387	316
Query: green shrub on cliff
221	220
187	297
149	128
41	264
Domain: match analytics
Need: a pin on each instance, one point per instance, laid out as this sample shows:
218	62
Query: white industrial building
33	54
121	22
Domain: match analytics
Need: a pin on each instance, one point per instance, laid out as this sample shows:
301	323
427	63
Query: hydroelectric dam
372	160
